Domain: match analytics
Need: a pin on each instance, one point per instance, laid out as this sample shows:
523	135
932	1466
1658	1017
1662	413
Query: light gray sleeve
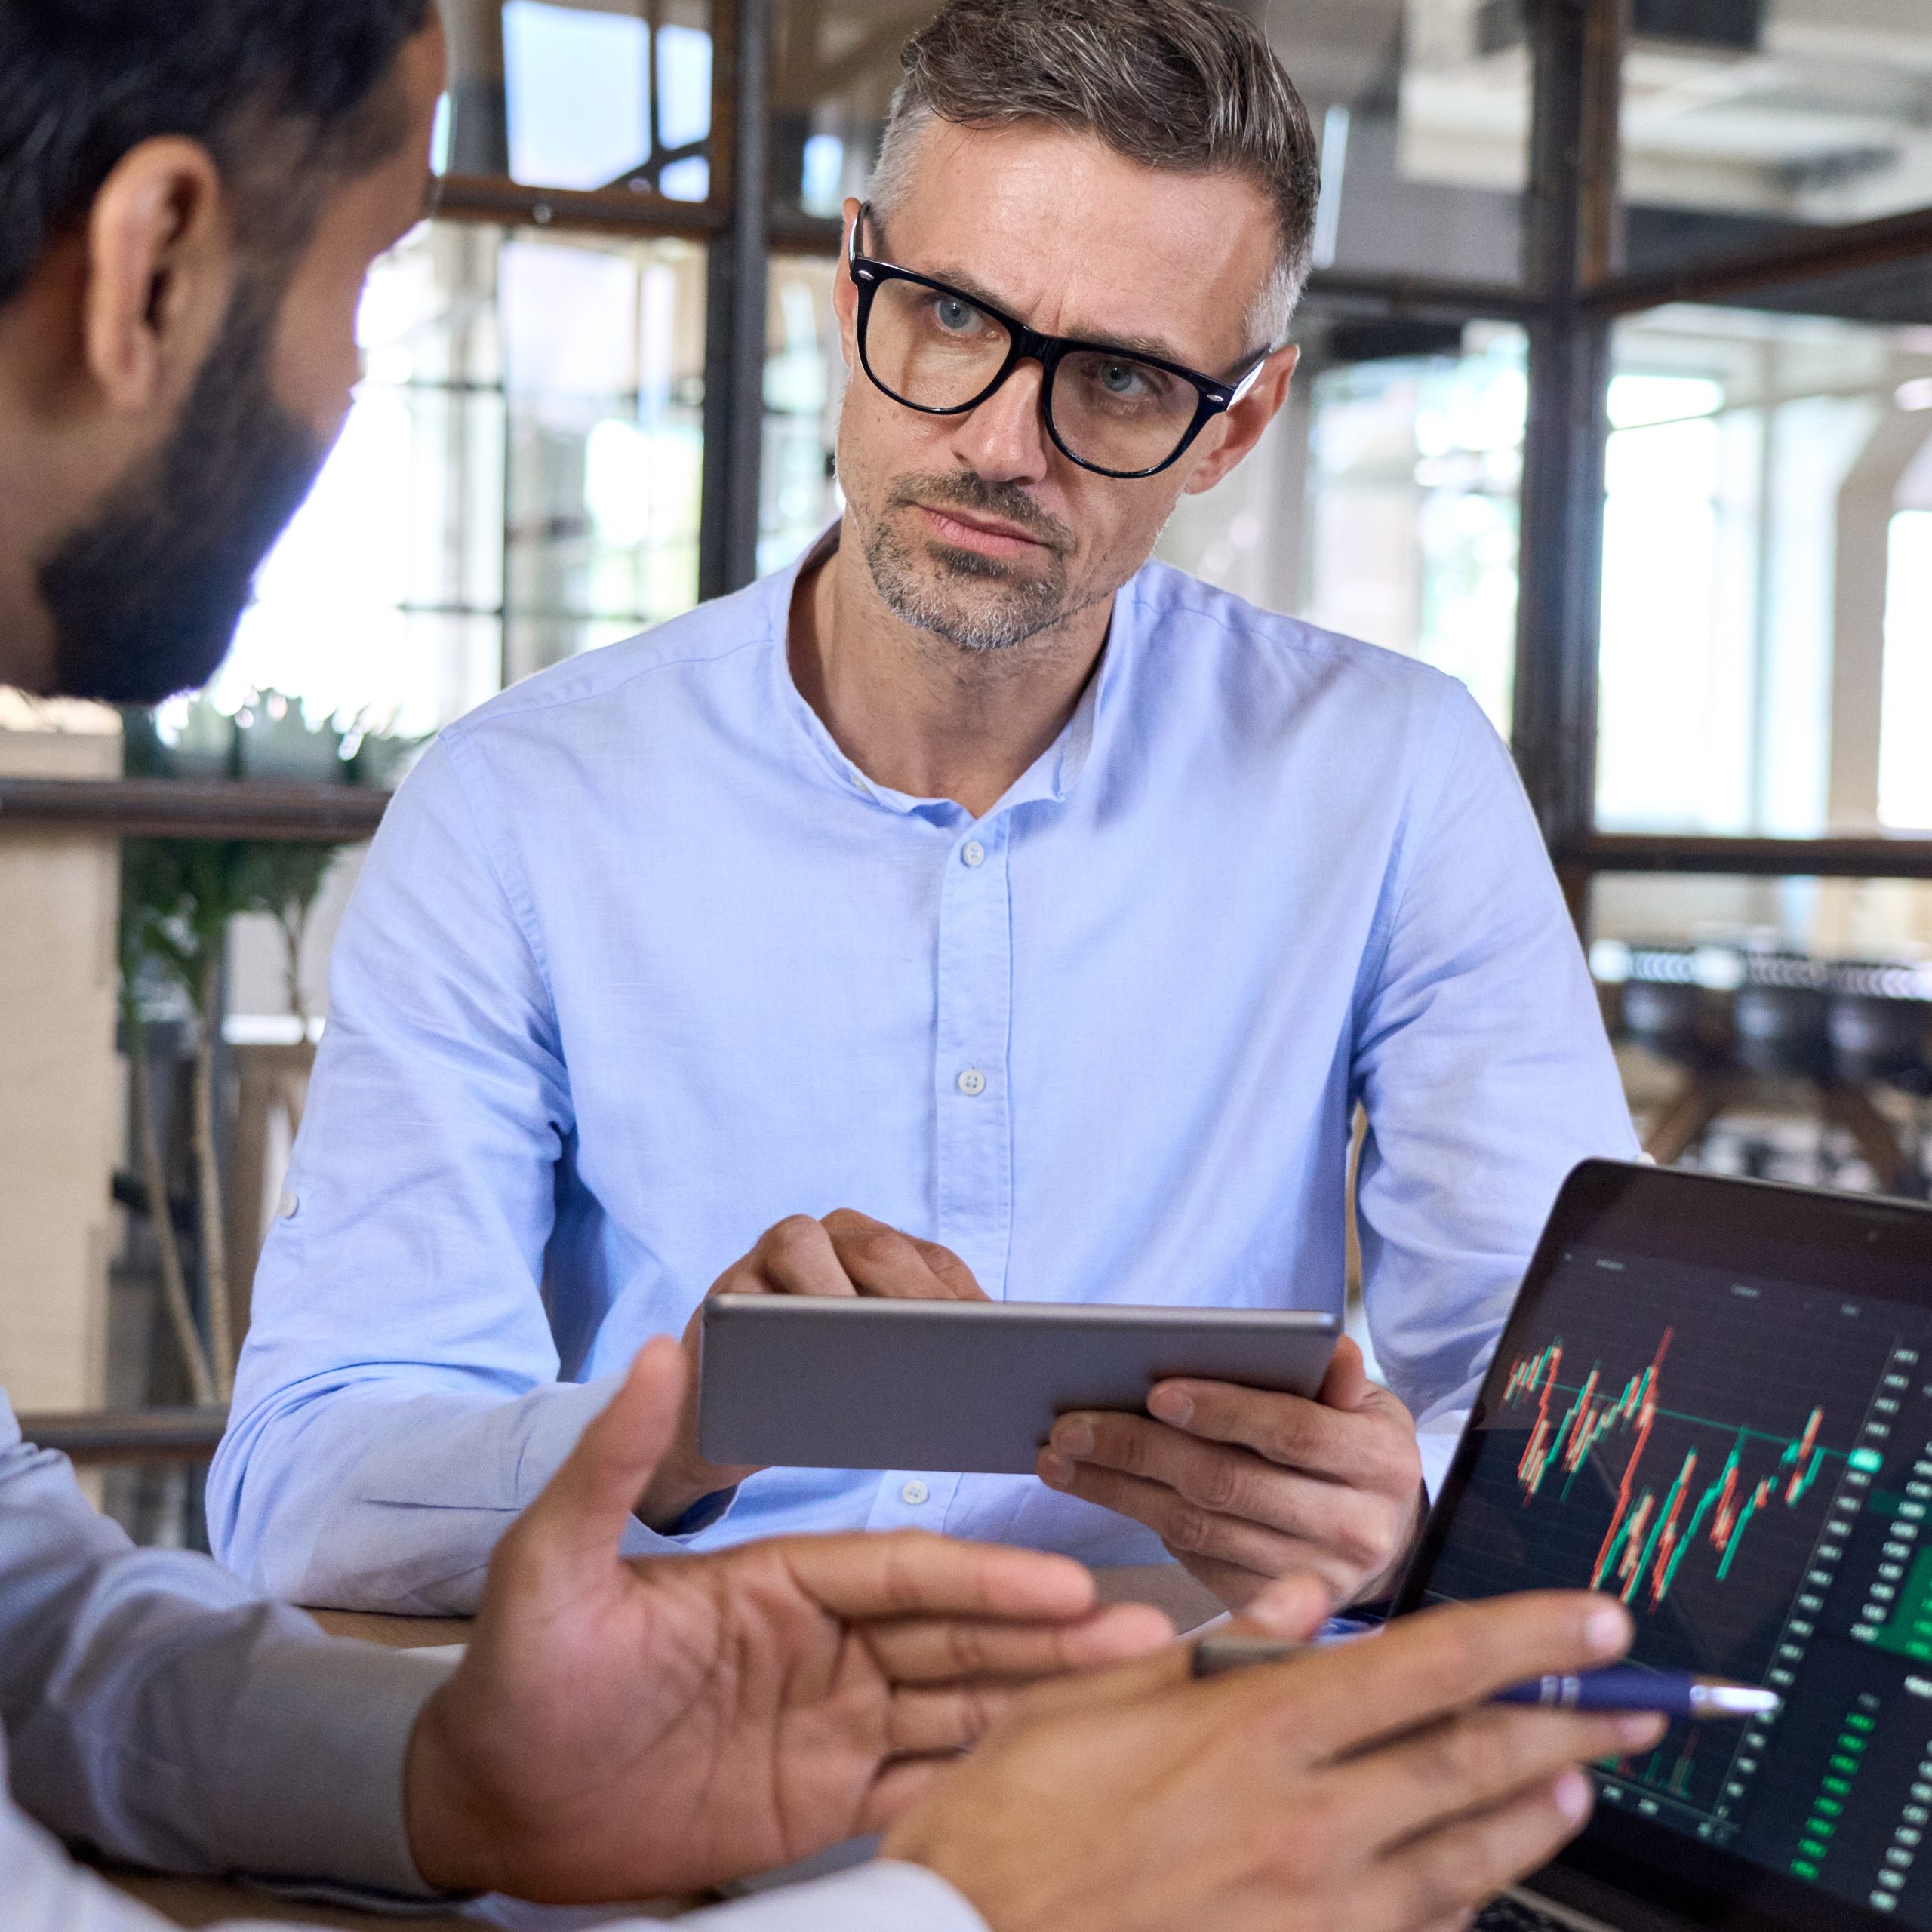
154	1709
47	1892
882	1897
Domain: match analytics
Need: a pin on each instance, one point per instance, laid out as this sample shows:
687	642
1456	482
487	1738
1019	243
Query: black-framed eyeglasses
940	351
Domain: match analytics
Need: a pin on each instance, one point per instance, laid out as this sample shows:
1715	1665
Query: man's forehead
1078	240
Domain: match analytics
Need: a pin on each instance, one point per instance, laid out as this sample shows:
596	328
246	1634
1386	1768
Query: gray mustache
963	490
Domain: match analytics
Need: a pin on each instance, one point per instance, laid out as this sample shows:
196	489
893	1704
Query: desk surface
1167	1585
190	1902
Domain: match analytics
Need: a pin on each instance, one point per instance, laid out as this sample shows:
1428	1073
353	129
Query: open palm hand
626	1728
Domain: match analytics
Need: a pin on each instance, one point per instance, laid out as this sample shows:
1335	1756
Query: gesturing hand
617	1729
1243	1485
1361	1788
847	1253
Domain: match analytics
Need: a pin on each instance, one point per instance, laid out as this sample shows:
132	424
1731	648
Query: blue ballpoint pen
1617	1688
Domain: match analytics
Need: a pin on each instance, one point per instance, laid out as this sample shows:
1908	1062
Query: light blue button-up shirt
640	963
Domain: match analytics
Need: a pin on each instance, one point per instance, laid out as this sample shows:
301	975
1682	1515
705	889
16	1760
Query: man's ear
160	272
1242	426
845	293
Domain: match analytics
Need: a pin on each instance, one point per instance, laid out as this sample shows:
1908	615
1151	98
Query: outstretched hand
621	1729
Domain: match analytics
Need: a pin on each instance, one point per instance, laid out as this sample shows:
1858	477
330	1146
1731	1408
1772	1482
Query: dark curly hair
286	95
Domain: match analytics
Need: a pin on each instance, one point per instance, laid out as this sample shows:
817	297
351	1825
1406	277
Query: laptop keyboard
1512	1915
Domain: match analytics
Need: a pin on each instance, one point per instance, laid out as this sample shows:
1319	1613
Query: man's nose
1005	439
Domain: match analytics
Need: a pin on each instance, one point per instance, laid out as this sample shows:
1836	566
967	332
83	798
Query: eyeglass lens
935	350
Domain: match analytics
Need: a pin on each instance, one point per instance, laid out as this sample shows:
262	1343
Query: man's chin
982	625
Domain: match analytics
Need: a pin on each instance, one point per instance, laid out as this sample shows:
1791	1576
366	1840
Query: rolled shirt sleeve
423	1192
154	1710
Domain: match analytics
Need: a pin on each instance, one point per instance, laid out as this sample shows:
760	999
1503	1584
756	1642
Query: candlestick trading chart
1687	1470
1647	1540
1747	1464
1704	1470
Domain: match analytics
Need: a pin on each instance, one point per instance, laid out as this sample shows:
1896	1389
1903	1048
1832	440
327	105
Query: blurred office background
1616	404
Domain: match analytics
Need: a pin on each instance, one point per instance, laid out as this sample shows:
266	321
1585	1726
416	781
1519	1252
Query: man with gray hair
1052	909
195	195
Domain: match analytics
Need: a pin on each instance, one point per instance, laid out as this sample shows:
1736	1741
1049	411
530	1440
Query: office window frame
1574	292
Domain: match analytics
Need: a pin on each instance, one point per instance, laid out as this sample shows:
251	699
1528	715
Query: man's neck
918	715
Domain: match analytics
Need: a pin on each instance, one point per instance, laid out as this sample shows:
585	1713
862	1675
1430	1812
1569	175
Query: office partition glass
1766	664
581	94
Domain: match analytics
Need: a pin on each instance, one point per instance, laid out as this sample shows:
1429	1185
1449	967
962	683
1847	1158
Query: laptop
1714	1400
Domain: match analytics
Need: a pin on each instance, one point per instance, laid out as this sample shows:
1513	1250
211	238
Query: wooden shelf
166	808
130	1435
1876	857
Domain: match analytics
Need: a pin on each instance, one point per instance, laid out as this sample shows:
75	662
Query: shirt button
972	1083
972	853
286	1206
915	1493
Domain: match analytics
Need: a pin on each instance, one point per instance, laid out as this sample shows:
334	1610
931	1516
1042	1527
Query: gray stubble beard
1029	606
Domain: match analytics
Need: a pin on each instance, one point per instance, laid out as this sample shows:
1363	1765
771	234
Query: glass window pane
1744	118
1766	612
1382	503
604	357
836	63
1422	107
805	388
582	94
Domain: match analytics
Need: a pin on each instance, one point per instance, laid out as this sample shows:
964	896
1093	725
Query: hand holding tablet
1251	1441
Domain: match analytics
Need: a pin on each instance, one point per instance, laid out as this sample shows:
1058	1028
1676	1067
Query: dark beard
145	599
973	602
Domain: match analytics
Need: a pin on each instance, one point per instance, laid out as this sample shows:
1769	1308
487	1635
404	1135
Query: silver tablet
965	1385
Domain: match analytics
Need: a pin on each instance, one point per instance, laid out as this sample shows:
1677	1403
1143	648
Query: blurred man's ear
160	271
845	293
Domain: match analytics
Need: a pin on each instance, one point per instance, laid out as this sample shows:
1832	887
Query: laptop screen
1714	1401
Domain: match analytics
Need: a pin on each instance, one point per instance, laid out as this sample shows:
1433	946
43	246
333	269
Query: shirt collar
1050	779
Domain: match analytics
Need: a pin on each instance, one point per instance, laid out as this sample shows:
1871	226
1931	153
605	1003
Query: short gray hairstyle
1190	85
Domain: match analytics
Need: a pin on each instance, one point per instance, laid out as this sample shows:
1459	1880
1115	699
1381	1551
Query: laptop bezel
1758	1228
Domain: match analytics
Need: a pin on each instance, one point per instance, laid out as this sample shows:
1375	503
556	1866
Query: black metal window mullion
1572	220
735	309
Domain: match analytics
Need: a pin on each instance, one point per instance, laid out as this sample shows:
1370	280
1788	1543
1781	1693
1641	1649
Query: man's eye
951	313
1122	379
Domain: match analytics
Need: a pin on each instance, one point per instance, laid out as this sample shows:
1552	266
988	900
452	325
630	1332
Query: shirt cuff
563	1416
313	1777
702	1513
883	1897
